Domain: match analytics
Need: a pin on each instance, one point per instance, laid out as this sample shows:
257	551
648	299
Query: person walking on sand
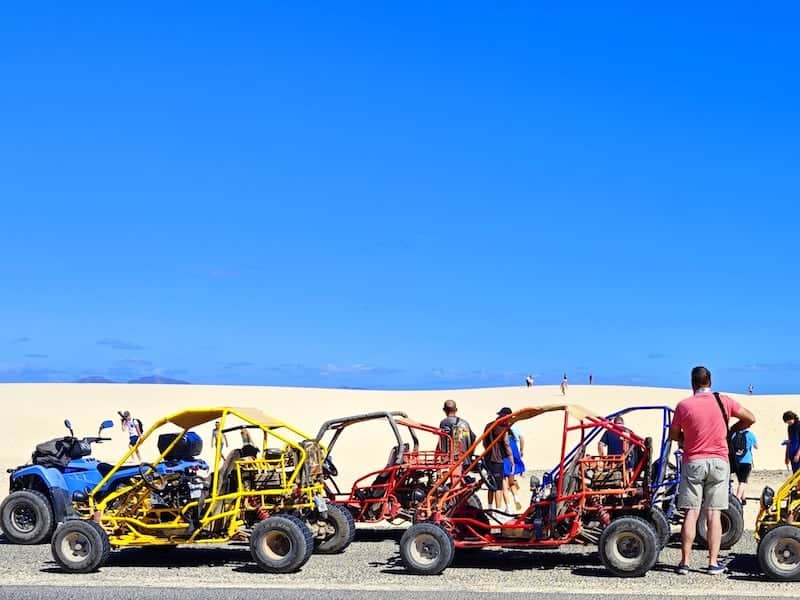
744	464
529	381
133	428
701	427
223	438
792	440
564	385
494	461
590	379
513	465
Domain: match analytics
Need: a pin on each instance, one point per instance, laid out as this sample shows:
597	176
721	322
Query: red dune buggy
581	499
392	492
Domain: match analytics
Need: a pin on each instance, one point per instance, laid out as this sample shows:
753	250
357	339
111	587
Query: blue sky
408	196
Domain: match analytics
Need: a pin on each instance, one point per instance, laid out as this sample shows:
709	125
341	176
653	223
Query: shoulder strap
724	415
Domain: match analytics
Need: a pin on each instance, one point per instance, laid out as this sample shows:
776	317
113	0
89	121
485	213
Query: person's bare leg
508	494
740	491
688	531
714	534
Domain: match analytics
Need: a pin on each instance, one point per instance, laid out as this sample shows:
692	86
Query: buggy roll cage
441	493
395	418
666	421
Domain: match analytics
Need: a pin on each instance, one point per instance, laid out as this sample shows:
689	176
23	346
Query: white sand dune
35	412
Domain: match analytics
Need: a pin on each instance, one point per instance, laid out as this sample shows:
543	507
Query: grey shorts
704	484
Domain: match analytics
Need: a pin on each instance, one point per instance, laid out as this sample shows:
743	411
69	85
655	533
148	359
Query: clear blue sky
410	195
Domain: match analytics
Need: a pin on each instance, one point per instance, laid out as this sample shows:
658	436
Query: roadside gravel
372	563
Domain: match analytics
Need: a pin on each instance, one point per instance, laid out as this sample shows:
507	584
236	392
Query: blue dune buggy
55	485
665	478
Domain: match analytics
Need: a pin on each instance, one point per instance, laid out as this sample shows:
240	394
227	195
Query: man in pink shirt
702	430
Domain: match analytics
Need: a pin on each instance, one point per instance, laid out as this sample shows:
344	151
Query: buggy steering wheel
151	478
328	467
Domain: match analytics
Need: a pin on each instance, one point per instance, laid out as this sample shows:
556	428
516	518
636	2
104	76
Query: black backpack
54	453
140	424
738	445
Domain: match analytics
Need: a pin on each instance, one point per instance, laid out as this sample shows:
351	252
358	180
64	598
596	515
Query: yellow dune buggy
268	489
778	530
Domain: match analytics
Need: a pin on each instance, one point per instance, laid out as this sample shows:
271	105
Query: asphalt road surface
370	569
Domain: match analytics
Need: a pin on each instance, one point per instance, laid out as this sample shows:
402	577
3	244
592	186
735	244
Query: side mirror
68	425
105	425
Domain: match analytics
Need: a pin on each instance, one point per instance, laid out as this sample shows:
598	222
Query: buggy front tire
279	544
341	531
26	517
426	549
779	553
661	525
732	522
80	546
628	547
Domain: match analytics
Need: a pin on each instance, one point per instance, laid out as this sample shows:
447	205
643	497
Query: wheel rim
628	548
425	549
276	545
786	554
75	547
24	518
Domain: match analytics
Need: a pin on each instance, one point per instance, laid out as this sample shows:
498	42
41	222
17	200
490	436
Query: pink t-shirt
703	428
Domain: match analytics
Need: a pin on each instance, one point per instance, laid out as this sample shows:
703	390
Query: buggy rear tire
344	531
734	502
732	522
661	525
628	547
26	517
779	553
280	544
80	546
426	549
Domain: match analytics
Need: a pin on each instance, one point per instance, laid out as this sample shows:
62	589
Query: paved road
369	569
116	593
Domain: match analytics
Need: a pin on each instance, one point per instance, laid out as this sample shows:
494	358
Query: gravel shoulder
372	564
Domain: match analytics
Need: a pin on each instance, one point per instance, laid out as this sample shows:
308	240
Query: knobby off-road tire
80	546
26	517
628	547
734	502
663	531
779	553
344	530
281	544
426	549
732	528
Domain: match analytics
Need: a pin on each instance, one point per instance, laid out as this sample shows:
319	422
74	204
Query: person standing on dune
564	385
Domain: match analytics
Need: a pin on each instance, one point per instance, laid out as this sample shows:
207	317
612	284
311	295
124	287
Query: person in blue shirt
611	443
745	464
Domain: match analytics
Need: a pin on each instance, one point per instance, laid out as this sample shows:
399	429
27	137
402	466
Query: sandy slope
34	412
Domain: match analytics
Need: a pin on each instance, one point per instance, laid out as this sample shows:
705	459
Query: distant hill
95	379
157	379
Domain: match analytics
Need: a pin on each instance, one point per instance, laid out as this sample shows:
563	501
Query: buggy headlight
767	497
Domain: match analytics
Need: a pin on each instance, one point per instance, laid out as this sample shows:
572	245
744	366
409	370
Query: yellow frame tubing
136	526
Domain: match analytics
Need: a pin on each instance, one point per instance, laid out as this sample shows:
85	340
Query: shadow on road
507	560
378	535
170	558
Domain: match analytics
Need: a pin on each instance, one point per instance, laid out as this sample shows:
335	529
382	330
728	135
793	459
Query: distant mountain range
148	379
